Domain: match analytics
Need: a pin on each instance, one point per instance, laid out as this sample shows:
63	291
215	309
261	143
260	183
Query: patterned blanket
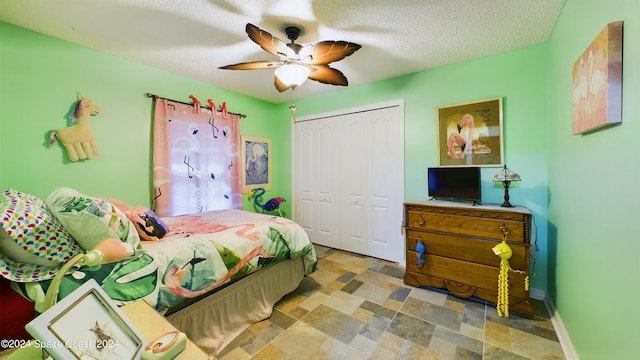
200	253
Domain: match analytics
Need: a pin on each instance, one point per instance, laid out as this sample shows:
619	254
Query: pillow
90	219
123	206
33	243
148	224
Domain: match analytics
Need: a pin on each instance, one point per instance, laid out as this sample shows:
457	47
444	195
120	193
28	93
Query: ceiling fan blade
326	52
279	84
328	75
268	42
305	53
253	65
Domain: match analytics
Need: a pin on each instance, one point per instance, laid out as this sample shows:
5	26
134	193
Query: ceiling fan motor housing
292	32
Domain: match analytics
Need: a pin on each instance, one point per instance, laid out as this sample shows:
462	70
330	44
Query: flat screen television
454	183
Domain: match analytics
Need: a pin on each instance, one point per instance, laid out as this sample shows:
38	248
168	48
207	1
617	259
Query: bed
211	274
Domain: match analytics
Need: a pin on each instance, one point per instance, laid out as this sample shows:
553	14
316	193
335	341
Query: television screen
461	183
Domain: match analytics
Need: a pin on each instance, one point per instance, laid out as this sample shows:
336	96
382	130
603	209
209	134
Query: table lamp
506	176
107	251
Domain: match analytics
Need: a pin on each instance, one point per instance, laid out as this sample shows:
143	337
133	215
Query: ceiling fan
298	62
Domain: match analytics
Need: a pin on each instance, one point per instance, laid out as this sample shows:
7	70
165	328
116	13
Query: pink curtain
196	160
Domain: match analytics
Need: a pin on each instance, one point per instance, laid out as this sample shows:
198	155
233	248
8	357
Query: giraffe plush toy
78	138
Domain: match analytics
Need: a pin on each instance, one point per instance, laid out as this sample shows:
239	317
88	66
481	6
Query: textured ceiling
193	38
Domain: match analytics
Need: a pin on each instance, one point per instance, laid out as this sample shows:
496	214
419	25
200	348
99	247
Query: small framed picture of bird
256	163
470	134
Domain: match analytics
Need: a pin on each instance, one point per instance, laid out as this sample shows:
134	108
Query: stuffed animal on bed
148	224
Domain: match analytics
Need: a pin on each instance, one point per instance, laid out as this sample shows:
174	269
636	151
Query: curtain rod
150	95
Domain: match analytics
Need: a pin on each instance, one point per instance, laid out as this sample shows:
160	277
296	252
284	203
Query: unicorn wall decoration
78	138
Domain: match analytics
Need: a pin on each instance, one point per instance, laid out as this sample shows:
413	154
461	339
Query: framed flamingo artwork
256	163
470	134
597	82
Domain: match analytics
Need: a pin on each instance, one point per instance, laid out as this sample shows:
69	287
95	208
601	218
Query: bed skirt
213	322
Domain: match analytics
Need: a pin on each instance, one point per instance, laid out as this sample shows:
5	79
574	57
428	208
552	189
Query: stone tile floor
357	307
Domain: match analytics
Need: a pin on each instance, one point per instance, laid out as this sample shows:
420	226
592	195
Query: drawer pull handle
420	220
420	248
504	230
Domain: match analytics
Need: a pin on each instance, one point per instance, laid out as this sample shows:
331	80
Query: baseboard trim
563	337
538	294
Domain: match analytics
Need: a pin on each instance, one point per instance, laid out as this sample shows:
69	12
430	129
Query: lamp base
506	202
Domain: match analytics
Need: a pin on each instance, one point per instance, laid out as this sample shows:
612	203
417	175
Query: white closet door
374	191
349	180
315	199
355	229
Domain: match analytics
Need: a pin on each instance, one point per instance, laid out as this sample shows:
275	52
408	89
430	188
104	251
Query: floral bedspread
200	253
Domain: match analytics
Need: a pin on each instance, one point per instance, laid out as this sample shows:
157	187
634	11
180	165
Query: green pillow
90	219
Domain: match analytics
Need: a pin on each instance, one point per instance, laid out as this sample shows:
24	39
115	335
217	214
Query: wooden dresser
458	239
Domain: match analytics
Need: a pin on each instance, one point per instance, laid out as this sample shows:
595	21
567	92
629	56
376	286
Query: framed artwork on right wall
597	82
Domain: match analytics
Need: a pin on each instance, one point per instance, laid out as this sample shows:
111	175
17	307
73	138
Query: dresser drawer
476	275
467	249
479	227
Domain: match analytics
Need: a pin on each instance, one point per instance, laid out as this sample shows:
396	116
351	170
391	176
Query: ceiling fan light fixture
297	62
292	75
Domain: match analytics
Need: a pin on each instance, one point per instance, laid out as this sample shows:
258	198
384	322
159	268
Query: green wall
518	76
39	79
581	189
593	192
